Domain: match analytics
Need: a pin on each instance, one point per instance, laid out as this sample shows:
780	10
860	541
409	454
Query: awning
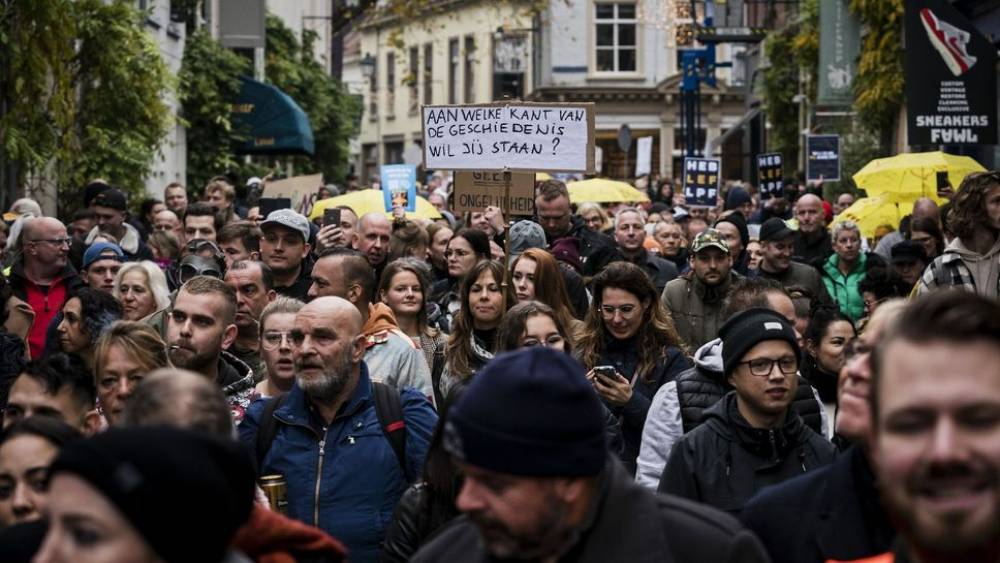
272	120
711	145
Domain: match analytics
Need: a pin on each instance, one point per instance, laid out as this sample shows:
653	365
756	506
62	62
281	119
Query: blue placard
399	186
701	182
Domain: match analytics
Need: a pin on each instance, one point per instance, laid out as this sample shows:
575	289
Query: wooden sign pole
505	209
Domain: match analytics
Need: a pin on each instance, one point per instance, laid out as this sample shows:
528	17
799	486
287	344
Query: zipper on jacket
802	460
319	477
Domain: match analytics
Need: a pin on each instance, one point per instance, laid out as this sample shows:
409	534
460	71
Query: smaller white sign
644	160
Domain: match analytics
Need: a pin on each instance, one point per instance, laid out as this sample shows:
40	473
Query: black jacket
812	251
725	461
831	513
597	250
623	355
411	525
659	269
626	524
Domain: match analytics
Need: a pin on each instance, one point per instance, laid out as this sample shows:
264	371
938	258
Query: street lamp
367	66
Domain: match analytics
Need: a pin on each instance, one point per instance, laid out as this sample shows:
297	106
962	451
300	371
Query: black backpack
387	408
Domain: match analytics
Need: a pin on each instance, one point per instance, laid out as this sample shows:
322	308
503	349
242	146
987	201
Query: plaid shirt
947	270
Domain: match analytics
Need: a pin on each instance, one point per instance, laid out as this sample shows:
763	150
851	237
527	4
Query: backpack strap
389	410
268	429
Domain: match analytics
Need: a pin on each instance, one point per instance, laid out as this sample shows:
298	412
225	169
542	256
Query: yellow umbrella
872	212
908	176
542	176
370	201
602	190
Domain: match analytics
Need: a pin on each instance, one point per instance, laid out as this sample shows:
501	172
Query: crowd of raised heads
190	379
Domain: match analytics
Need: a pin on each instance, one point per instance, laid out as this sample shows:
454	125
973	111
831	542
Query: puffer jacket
678	406
843	289
343	477
725	461
237	382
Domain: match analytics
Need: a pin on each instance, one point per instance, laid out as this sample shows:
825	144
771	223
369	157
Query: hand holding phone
331	217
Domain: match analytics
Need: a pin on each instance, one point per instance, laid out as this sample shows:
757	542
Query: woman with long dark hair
466	248
631	338
473	340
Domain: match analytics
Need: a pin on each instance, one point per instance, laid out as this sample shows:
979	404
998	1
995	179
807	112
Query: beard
328	387
183	355
947	535
552	535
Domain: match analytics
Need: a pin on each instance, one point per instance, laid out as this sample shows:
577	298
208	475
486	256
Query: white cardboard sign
516	136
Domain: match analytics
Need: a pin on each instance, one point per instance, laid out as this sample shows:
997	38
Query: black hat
908	251
185	492
531	412
737	197
112	198
738	221
748	328
92	190
775	229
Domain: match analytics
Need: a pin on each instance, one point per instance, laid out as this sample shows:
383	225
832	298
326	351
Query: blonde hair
155	280
589	206
138	340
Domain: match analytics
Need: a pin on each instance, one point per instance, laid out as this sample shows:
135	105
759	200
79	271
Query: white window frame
615	21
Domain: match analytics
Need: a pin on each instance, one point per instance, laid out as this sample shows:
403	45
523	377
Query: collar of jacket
712	293
233	372
17	270
296	409
772	444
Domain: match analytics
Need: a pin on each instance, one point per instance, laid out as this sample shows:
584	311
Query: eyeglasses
273	340
762	367
627	310
54	241
871	303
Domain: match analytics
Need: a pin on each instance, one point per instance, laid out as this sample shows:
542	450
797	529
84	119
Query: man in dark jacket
695	299
832	513
630	233
752	438
552	205
812	241
777	242
540	485
201	324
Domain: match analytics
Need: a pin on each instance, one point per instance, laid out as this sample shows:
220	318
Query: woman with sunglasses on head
629	347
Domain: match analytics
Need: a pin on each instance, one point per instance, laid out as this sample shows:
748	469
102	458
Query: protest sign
514	136
644	158
399	186
701	182
477	189
769	175
300	189
823	157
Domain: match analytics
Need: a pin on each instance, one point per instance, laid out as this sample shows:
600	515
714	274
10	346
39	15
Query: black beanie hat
737	197
186	493
740	223
748	328
530	412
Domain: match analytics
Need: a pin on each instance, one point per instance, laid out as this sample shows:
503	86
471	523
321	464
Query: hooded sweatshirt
959	266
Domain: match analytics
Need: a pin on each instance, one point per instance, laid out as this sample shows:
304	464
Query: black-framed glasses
762	367
54	241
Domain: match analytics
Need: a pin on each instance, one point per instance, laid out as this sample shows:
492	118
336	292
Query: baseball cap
112	198
102	251
709	238
775	229
290	219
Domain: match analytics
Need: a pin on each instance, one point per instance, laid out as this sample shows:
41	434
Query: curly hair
968	211
98	310
459	351
658	332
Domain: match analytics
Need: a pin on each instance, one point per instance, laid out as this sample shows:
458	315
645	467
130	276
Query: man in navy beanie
539	484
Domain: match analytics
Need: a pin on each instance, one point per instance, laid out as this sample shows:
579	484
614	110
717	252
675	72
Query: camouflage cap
707	238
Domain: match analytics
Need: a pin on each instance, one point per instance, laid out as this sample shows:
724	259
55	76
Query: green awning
272	120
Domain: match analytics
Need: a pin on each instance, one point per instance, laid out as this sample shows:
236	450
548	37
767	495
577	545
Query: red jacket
270	537
45	301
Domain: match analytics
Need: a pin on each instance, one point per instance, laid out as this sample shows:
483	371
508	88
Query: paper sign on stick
644	156
477	189
300	189
770	182
516	136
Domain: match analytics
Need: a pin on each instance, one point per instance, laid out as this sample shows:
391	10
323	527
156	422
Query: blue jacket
360	479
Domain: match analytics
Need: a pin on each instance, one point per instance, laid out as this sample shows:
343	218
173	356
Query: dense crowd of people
757	381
